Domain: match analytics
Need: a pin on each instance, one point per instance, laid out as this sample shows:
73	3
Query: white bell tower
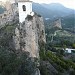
25	8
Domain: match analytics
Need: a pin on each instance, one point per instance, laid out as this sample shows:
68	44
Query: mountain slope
68	21
57	7
52	10
40	9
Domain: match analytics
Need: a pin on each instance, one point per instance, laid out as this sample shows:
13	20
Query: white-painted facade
68	50
23	12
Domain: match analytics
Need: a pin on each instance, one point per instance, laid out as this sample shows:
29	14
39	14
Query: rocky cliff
29	35
57	23
20	46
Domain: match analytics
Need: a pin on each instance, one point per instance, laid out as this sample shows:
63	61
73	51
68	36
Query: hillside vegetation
11	61
51	10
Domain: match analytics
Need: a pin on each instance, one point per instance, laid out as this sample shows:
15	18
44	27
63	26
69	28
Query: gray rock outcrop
57	23
28	37
29	34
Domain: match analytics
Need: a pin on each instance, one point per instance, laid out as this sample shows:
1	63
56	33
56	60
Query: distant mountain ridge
52	10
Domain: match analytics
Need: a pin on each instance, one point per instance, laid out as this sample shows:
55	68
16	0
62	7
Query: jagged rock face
10	15
16	39
57	23
29	35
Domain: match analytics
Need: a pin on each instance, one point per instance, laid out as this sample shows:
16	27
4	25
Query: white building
25	8
68	50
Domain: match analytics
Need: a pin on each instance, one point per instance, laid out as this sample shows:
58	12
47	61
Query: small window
24	8
17	4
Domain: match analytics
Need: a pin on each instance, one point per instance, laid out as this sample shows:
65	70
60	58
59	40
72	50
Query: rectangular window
24	8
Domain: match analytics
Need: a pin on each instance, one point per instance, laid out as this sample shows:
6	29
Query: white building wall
23	14
68	50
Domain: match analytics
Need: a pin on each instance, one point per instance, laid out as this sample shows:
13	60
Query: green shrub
11	62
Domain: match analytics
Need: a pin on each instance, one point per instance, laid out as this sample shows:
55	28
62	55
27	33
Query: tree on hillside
73	46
